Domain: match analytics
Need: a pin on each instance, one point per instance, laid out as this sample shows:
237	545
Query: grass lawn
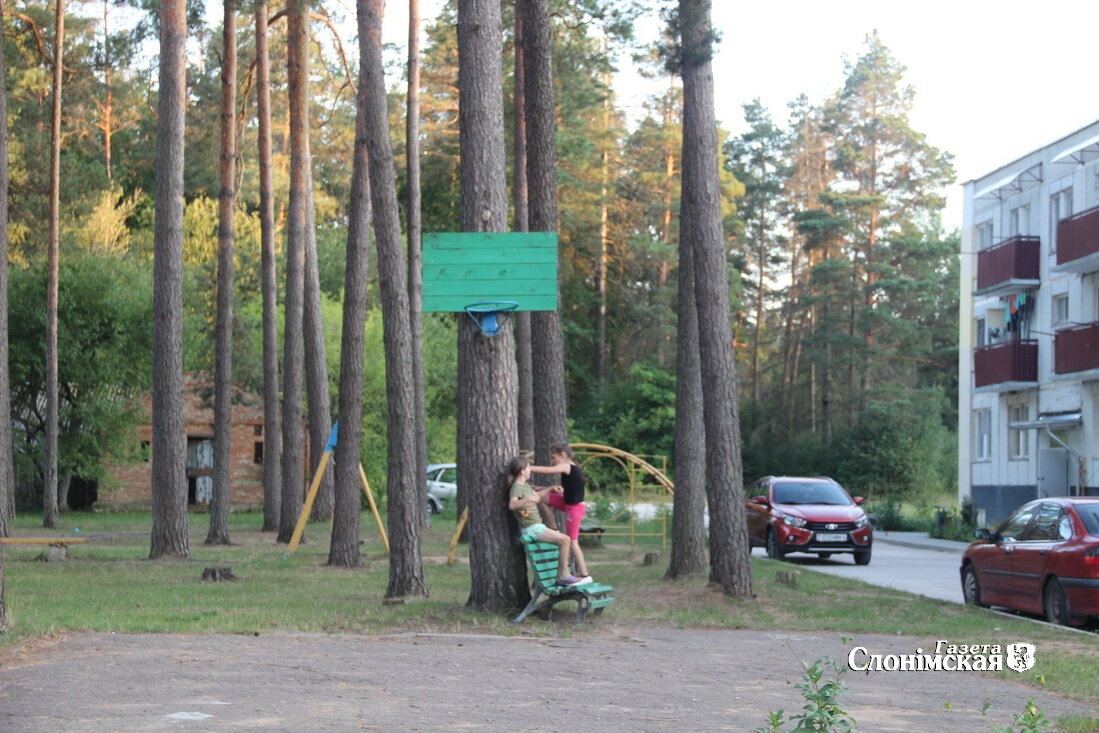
109	585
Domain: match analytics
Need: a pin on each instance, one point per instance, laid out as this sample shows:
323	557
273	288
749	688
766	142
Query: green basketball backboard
464	268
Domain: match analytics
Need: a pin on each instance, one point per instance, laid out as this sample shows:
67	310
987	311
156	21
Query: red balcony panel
1078	236
1007	361
1012	259
1076	349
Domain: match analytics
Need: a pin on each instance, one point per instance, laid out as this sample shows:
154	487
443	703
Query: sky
993	80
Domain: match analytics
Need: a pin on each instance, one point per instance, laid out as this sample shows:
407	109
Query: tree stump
651	558
787	577
218	574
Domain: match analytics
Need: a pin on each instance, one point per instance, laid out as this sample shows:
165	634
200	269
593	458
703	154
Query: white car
442	485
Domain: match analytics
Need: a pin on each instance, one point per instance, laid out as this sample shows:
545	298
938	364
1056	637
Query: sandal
567	581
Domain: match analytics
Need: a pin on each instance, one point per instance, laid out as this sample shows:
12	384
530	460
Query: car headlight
862	522
790	521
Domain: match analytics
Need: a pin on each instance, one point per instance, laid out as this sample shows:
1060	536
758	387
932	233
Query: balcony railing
1078	236
1076	349
1007	361
1016	258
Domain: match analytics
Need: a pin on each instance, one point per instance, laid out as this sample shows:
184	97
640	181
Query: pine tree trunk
700	222
344	548
7	473
293	469
169	445
547	340
49	470
272	411
487	389
688	554
415	229
218	533
519	190
405	484
316	358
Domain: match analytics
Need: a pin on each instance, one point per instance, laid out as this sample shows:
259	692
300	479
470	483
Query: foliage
821	688
104	351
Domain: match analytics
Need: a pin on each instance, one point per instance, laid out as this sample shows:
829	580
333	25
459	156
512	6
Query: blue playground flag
333	437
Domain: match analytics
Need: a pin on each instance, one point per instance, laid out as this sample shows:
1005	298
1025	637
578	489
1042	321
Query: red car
790	514
1043	559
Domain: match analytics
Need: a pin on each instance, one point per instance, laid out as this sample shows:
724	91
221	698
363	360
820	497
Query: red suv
793	514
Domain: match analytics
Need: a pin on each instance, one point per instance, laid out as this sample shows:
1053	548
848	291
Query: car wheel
824	555
432	506
862	557
1056	604
971	587
774	551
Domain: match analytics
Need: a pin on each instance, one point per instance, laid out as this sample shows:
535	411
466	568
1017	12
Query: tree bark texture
522	224
7	471
700	225
344	548
218	533
316	357
169	443
688	553
405	483
415	230
486	365
49	470
547	339
272	411
293	469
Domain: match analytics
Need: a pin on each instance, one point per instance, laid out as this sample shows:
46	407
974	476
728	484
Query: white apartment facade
1028	412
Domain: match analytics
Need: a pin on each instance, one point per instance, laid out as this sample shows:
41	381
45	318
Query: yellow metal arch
624	459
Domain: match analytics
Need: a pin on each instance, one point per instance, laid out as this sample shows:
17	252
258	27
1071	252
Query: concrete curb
954	548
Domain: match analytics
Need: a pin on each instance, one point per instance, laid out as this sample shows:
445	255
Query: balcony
1076	349
1008	363
1010	265
1078	242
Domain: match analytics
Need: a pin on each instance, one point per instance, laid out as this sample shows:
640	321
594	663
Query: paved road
928	572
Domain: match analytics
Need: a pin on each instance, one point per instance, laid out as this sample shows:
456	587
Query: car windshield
792	492
1090	514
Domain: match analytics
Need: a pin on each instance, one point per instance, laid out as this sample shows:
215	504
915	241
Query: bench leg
531	607
581	609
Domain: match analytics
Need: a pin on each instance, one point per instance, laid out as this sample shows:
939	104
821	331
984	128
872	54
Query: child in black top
570	501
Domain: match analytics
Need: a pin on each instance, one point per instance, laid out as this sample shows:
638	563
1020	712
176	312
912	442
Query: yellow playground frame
639	472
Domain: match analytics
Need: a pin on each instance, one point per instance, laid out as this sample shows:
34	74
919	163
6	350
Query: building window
984	234
146	451
257	430
982	332
1060	207
257	452
1019	220
1060	309
1018	442
982	434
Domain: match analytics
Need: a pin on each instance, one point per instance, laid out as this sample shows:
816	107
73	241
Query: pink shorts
573	514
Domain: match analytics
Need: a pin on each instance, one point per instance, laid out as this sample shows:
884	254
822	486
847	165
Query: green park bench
543	563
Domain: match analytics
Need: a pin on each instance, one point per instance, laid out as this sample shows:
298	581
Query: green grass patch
109	585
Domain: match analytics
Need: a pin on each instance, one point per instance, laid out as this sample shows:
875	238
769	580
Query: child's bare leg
548	517
578	558
562	541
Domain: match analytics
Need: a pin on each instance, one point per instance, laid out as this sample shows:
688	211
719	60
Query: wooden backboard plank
460	269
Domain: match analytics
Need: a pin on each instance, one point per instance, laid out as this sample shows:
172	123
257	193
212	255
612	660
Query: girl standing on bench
570	501
523	500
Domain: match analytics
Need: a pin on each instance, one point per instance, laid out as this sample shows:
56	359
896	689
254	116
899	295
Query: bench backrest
544	558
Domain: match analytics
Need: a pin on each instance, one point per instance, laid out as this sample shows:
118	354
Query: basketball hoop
491	316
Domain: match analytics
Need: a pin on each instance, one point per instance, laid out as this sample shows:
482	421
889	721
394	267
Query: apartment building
1028	413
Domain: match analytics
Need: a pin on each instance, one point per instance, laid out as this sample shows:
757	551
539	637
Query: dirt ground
606	679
